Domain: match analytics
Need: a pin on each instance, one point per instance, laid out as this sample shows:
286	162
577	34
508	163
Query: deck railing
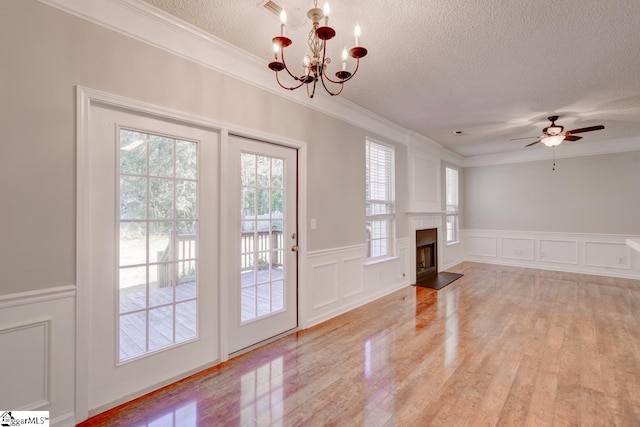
261	249
182	248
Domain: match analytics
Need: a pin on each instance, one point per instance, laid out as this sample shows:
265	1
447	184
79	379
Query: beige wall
595	194
45	53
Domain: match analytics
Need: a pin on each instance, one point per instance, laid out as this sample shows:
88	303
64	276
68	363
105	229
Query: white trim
41	295
65	420
634	244
225	256
379	260
322	252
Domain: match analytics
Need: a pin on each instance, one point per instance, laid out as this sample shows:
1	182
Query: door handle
294	248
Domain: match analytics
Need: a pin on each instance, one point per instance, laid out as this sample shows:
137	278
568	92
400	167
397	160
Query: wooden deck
500	346
258	299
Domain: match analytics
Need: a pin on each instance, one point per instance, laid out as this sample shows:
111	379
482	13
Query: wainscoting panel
589	253
351	277
559	251
514	248
37	342
340	280
482	246
25	365
607	255
325	284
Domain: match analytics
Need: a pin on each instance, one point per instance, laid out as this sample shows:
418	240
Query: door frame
85	98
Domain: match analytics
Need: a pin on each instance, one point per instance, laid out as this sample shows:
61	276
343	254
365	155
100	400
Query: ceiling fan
554	134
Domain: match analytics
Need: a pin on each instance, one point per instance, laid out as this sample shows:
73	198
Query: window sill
380	260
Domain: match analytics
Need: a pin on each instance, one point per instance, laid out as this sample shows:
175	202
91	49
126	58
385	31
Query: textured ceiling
494	69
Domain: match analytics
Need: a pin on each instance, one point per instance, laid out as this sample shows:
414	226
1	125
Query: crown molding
563	151
143	22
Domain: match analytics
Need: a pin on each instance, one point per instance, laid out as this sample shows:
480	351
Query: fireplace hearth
426	253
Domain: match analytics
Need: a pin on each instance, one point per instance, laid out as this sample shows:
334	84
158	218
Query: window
380	207
157	242
452	204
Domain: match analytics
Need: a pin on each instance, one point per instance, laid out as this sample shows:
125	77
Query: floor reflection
379	378
451	327
262	393
183	416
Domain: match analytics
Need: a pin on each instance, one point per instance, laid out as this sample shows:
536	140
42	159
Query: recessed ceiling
493	69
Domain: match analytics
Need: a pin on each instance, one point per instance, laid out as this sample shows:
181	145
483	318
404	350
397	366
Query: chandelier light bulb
357	32
283	21
326	10
344	59
276	48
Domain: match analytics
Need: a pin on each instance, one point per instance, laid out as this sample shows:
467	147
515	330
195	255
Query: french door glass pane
262	243
158	237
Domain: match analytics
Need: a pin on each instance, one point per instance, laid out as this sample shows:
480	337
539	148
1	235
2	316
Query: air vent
272	7
296	15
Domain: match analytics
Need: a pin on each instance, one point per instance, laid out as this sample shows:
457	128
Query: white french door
262	282
153	262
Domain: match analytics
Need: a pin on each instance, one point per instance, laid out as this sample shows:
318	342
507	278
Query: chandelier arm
313	92
327	89
287	68
286	87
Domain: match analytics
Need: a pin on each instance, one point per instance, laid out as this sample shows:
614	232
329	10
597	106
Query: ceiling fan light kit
316	64
554	135
553	140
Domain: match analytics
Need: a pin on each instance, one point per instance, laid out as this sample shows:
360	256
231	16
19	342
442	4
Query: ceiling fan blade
572	138
587	129
526	137
533	143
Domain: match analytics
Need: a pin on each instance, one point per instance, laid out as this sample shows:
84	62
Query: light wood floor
500	346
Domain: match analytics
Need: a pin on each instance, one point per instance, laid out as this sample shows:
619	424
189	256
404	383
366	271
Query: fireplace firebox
426	253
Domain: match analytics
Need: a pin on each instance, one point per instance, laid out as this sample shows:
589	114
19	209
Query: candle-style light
283	21
344	59
316	64
326	10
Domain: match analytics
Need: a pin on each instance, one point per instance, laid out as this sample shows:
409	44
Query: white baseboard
65	420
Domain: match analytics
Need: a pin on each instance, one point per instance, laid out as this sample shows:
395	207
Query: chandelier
316	63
